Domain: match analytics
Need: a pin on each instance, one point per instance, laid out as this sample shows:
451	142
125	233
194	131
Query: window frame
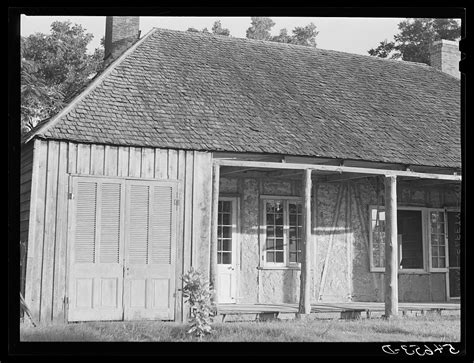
426	240
446	250
286	200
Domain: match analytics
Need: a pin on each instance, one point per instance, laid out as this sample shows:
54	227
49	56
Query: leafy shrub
199	295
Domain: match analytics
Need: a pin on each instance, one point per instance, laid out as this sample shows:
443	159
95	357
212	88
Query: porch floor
334	307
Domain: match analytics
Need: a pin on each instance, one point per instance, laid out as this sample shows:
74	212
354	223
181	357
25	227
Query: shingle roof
196	91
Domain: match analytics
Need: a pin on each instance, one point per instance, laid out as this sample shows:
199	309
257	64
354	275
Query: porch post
391	249
305	285
214	236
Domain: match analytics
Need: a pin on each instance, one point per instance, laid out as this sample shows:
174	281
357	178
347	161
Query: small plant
199	295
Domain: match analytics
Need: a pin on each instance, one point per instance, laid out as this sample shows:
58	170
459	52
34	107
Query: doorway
227	250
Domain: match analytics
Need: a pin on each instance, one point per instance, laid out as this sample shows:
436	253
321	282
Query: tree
261	27
54	68
415	37
217	29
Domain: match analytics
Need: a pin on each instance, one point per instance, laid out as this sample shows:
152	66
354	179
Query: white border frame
286	265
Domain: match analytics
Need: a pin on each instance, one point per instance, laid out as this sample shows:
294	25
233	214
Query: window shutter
86	207
138	226
161	225
110	223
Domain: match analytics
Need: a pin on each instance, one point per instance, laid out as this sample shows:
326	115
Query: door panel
150	250
96	271
226	250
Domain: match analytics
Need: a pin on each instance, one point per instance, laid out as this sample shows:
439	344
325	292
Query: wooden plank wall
26	170
46	278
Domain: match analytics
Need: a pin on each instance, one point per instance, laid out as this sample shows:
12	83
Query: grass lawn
421	328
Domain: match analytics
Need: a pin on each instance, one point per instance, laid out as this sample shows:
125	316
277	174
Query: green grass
422	328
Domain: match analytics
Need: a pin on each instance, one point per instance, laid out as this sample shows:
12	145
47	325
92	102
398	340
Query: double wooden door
122	249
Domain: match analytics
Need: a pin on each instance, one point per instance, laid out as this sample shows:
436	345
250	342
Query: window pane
279	257
434	262
270	243
434	252
270	231
279	219
226	206
292	219
270	219
270	257
219	258
279	244
219	244
227	245
226	232
442	262
292	208
226	258
226	219
279	232
441	251
219	231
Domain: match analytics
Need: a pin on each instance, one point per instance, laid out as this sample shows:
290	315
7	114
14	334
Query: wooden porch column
305	285
391	248
214	221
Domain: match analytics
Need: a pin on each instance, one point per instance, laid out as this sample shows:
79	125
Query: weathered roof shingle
195	91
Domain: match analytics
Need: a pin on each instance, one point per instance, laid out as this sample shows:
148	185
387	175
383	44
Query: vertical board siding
111	160
161	164
97	159
45	178
60	261
26	170
35	234
201	205
49	231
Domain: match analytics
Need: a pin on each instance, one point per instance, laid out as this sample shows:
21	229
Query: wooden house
284	173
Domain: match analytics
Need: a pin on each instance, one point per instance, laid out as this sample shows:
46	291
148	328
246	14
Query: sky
351	35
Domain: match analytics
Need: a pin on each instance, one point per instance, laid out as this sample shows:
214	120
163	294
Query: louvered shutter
110	222
86	208
138	224
161	225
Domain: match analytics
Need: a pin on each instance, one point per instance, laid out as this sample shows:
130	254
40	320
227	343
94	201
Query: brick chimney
445	56
121	32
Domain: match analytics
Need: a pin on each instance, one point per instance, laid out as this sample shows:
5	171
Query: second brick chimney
445	56
120	33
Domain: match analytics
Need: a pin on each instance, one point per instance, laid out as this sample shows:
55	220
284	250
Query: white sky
352	35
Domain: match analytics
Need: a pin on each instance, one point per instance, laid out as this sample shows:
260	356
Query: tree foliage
54	68
216	29
261	27
415	37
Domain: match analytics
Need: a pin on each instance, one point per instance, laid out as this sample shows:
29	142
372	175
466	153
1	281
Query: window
410	238
224	233
438	239
282	229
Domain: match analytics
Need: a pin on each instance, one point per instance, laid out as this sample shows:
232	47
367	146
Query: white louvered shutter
138	224
86	208
110	223
161	225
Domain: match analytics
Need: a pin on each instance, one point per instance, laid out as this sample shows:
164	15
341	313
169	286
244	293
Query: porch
321	246
346	310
